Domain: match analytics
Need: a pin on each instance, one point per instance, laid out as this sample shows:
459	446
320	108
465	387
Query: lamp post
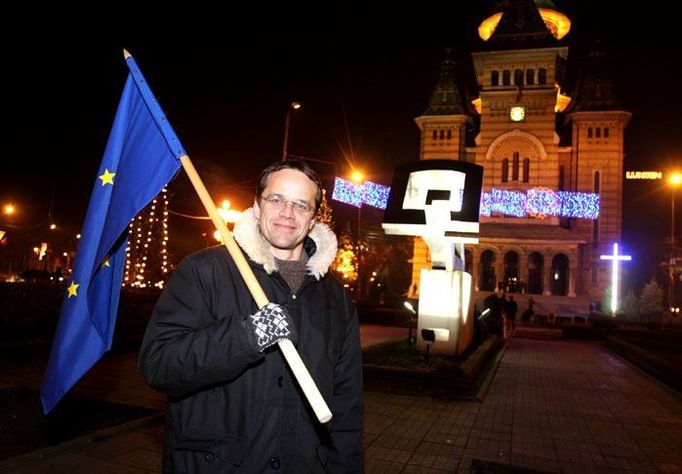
292	106
358	178
675	181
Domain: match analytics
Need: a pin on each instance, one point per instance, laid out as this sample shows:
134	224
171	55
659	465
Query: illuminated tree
345	265
324	213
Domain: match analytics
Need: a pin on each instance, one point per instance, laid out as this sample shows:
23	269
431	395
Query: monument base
444	312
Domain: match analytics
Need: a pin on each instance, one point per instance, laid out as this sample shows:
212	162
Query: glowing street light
8	209
292	106
357	176
615	260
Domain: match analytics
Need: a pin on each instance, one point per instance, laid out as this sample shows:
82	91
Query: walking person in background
510	317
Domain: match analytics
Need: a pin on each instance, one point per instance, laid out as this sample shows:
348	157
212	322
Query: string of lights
536	202
146	255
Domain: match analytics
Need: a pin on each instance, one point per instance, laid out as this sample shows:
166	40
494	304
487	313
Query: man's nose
287	209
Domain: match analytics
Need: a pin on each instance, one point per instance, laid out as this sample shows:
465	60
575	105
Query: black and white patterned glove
271	324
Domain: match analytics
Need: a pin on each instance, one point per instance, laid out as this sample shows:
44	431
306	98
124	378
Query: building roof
521	27
446	99
595	88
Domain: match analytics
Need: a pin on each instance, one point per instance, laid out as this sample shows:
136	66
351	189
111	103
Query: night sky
225	80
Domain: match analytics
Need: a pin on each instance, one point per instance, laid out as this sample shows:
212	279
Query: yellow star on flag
107	177
106	263
73	289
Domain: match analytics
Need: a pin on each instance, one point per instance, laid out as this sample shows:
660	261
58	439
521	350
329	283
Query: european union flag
141	156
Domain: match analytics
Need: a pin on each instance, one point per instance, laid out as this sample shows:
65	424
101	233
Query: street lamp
292	106
675	180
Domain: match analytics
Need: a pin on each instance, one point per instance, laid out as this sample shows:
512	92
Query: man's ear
256	209
311	224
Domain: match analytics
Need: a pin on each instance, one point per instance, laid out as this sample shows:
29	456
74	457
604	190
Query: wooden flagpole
292	357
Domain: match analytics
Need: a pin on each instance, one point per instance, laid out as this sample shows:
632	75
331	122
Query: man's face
285	227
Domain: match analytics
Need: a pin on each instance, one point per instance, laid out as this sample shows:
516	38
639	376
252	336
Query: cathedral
530	134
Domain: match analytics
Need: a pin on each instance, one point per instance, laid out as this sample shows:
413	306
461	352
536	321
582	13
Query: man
233	405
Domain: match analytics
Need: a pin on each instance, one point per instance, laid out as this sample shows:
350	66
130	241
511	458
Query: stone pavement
550	406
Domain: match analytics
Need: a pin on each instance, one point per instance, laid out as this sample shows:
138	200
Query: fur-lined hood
248	236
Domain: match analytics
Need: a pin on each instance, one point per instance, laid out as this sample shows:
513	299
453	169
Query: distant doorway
487	271
511	272
536	266
560	275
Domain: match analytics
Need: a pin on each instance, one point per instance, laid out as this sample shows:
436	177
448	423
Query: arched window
589	132
495	78
487	277
560	274
518	77
597	132
515	167
542	76
435	134
526	170
530	76
562	177
442	134
606	132
449	134
506	77
505	170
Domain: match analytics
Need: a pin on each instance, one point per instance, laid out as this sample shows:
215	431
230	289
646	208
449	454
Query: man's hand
271	324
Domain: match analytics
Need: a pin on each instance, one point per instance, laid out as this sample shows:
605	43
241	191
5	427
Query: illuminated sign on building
643	175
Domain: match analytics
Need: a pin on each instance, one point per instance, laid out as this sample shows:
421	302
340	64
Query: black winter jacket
233	409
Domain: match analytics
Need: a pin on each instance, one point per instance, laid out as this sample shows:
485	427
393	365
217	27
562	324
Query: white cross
615	259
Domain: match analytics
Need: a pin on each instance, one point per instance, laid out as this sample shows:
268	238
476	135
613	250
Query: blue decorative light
540	202
536	202
369	193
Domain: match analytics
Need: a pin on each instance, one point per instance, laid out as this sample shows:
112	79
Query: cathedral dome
556	22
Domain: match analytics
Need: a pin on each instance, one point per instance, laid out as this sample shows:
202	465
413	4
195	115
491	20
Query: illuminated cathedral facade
530	135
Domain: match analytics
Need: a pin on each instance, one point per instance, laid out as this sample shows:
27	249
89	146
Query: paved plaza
548	406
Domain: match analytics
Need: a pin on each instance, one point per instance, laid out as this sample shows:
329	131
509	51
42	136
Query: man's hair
298	165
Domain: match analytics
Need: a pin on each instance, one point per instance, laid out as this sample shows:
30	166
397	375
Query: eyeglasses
278	202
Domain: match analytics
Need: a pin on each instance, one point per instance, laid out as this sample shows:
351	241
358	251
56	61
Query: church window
442	134
505	170
518	77
506	77
589	132
515	167
526	170
449	134
606	132
542	76
530	76
435	134
495	78
597	132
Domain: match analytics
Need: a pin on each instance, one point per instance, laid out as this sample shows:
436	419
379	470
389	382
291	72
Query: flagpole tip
126	54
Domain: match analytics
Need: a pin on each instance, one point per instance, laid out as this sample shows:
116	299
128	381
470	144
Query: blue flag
141	156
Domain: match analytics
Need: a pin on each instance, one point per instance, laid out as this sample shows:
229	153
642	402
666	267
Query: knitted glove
271	324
